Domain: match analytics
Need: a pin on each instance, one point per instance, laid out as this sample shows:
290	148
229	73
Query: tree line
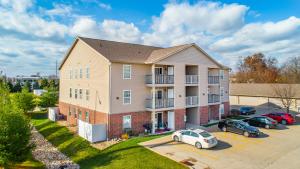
39	84
258	68
15	125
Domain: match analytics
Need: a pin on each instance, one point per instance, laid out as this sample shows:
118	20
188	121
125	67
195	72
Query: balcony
160	79
191	101
213	79
191	79
160	103
213	98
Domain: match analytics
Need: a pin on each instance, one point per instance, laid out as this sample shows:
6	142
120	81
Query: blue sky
36	33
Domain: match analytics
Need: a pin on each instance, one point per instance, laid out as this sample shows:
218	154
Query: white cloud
59	10
105	6
30	24
272	38
185	22
108	29
17	5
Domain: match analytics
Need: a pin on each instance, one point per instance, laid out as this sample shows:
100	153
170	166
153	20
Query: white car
199	138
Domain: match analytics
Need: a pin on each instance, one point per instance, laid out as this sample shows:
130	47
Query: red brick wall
94	116
226	108
203	114
214	110
138	119
179	119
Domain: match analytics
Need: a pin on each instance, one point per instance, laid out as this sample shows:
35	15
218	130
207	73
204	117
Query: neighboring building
127	85
31	79
39	92
260	94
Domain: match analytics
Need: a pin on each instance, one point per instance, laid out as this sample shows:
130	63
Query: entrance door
171	120
159	120
170	70
158	71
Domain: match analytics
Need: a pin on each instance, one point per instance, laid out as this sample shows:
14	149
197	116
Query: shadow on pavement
221	146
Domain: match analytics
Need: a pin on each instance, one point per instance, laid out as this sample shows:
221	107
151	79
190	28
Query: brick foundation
226	108
179	118
95	117
138	119
203	110
214	112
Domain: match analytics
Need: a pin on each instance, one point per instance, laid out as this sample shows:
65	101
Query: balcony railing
191	101
160	103
213	98
213	79
160	79
191	79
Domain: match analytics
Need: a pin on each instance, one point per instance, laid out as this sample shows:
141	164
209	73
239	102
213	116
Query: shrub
23	101
14	137
124	136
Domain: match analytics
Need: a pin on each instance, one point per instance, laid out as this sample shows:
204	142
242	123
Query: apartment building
126	86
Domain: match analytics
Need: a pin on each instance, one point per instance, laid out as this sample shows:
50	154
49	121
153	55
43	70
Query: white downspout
109	104
153	98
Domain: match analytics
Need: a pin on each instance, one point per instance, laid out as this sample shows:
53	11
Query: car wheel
224	129
246	134
284	122
176	138
198	145
267	126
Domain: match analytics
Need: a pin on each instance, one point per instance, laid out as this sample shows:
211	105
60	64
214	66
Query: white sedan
199	138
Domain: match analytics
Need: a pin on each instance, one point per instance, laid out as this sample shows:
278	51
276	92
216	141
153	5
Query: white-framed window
221	74
80	93
75	73
71	74
79	114
87	94
87	72
70	93
126	71
75	93
80	73
127	122
126	96
87	116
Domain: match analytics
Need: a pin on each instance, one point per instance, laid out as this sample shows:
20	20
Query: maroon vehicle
281	117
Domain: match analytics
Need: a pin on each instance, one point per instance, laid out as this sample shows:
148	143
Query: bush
49	99
23	101
124	136
14	137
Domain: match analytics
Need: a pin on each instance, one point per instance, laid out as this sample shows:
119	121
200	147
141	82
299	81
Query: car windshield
204	134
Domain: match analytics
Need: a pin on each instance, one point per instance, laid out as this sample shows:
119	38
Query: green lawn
30	163
127	154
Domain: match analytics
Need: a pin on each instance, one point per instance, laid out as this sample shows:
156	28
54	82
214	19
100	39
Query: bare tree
285	93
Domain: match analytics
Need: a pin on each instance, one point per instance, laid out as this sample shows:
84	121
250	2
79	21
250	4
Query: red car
281	117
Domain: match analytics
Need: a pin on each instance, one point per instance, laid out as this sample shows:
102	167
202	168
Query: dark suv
239	127
247	110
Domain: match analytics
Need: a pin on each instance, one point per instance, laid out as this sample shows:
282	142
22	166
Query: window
80	93
126	97
87	94
80	73
126	71
70	94
127	122
205	134
87	72
75	93
221	74
87	116
193	134
221	108
71	74
187	133
76	72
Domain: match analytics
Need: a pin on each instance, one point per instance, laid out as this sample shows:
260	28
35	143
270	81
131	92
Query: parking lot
275	149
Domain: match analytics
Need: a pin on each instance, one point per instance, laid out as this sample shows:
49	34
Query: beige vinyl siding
137	86
81	57
192	56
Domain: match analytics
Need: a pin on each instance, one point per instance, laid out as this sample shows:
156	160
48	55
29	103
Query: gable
192	56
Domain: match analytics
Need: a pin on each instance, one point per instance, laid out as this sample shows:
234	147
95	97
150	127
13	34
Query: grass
29	163
127	154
